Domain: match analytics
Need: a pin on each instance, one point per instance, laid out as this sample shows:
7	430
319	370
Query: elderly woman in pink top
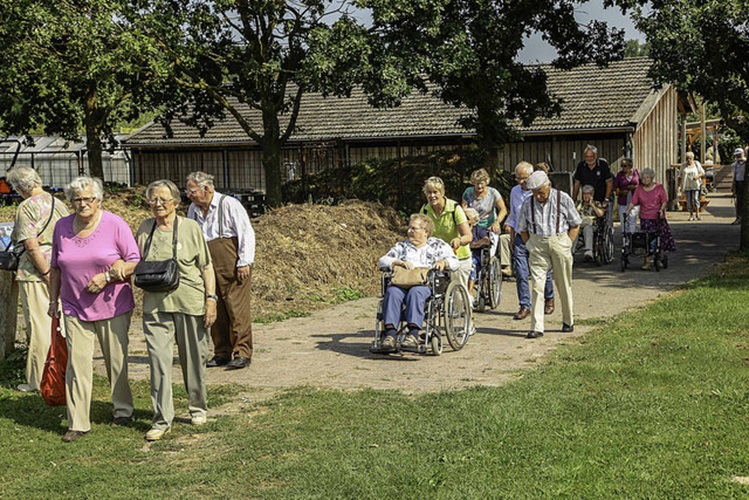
91	252
652	200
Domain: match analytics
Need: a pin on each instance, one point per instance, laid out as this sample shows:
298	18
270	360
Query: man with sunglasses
231	241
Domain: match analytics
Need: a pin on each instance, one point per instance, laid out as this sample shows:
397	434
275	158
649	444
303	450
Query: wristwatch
212	296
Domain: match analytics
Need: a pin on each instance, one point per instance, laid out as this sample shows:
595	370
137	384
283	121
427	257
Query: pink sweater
650	202
79	259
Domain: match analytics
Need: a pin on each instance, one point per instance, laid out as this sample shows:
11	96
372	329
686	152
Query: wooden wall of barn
655	142
562	152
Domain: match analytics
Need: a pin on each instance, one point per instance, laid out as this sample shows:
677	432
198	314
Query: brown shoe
523	313
71	436
549	306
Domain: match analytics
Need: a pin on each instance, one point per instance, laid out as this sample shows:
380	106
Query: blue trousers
415	299
522	274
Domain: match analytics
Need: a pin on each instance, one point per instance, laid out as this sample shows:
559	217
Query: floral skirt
661	227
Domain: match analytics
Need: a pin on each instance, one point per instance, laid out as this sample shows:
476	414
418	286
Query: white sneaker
199	420
25	388
156	434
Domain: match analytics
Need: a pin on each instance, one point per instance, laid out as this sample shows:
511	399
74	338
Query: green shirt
192	257
446	225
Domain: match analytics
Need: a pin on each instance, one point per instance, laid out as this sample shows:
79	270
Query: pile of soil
307	255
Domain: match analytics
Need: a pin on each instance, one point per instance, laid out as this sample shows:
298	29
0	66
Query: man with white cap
548	224
738	187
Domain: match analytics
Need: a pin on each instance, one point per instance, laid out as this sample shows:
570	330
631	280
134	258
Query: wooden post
8	312
703	133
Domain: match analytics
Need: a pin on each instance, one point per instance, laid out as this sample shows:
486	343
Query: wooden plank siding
655	141
563	152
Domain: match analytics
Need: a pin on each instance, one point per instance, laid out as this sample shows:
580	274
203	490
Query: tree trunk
93	120
8	312
271	146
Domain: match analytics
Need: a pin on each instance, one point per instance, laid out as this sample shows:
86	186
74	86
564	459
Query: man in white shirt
548	223
231	241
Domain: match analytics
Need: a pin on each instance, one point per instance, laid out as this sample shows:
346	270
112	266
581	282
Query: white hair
23	179
202	179
80	183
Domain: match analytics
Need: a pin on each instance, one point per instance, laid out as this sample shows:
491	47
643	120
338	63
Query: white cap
537	180
738	152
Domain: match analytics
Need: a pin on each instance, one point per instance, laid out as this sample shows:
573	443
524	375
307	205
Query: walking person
738	186
690	182
594	171
34	225
518	195
231	241
548	224
91	251
185	314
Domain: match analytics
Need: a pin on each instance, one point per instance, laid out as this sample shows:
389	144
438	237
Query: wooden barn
613	108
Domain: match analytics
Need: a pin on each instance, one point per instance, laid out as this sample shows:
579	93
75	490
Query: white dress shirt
236	222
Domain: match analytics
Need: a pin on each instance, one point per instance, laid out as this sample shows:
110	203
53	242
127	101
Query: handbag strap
174	239
38	234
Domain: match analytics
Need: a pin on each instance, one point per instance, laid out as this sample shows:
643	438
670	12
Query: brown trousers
232	331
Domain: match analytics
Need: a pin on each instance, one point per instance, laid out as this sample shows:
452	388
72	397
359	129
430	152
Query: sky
536	50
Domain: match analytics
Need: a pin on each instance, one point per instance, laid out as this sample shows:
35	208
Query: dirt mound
307	255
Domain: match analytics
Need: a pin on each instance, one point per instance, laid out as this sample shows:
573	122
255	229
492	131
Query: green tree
72	67
469	49
633	48
702	46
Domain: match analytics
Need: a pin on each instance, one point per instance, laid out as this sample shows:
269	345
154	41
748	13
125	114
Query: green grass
654	404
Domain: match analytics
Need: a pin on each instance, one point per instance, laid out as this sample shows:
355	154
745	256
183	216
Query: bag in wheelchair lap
406	278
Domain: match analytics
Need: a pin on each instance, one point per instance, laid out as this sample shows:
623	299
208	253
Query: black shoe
568	328
71	436
216	361
238	363
534	335
120	421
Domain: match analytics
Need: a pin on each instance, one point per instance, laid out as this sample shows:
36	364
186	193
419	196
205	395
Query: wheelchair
447	314
643	244
488	284
603	241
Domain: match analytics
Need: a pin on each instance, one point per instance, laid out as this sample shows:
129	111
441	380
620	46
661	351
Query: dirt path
330	347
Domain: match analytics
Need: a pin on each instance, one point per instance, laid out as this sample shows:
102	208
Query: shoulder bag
9	259
52	386
158	275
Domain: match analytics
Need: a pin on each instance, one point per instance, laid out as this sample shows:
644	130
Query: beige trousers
161	329
35	302
555	253
113	339
505	256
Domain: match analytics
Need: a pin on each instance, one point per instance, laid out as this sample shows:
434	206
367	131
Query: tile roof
612	98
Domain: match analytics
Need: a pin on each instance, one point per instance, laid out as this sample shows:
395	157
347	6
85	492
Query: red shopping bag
52	386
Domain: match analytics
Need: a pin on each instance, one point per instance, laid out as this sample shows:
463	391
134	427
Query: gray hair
689	155
471	213
425	221
176	195
589	189
648	171
23	179
592	149
202	179
80	183
524	167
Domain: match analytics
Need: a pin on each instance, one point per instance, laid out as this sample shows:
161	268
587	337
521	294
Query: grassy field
653	404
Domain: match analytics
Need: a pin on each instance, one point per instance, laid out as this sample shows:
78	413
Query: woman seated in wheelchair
420	250
590	211
652	199
480	241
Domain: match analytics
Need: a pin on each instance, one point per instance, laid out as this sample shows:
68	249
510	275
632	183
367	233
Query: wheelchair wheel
480	303
624	264
657	262
436	344
457	315
608	246
495	283
664	261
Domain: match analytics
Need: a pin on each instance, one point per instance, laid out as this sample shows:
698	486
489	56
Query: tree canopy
71	67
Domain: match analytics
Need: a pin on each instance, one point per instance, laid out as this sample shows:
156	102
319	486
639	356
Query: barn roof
593	99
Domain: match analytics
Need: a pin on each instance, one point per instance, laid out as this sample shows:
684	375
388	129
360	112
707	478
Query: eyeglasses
191	192
88	200
157	201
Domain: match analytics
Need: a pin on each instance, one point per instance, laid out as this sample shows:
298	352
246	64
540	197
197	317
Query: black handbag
158	275
9	259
